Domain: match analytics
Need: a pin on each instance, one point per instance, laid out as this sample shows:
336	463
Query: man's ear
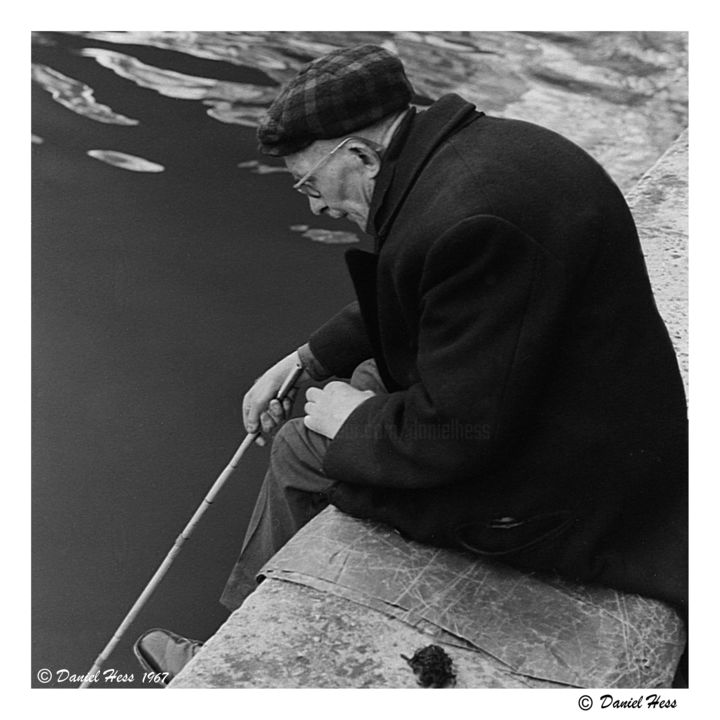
367	155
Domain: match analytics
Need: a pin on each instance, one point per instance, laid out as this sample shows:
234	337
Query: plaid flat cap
341	92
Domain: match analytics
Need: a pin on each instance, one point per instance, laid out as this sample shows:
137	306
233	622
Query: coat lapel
410	150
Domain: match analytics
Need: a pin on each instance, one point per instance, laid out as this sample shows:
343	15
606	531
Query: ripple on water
259	168
278	54
126	161
622	96
588	86
76	96
229	101
328	237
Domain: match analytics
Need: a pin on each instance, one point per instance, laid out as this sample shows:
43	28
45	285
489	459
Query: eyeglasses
310	191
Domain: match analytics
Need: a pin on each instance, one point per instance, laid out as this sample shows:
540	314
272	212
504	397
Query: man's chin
358	220
361	222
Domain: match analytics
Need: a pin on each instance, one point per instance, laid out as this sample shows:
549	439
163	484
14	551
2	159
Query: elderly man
512	388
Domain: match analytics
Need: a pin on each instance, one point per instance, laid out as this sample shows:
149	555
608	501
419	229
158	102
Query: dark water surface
171	265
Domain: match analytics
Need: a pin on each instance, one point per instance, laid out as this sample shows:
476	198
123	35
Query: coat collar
415	140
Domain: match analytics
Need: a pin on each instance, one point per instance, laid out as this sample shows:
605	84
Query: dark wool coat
536	412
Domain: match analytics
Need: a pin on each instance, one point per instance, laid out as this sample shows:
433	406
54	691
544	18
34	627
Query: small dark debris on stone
433	667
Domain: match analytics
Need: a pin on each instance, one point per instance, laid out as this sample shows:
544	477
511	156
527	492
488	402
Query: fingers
250	413
261	411
259	414
276	411
310	423
311	395
270	420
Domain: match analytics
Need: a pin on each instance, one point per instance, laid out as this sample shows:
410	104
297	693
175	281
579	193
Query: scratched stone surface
541	628
288	635
659	203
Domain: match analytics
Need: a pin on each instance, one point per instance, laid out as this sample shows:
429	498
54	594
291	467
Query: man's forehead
295	163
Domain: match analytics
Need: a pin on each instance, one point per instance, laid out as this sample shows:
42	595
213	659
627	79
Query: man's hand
260	410
327	409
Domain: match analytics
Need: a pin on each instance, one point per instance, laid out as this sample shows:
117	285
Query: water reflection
277	54
321	235
229	101
76	96
125	161
622	96
259	168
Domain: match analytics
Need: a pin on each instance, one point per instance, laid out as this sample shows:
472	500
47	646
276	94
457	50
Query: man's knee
297	454
288	439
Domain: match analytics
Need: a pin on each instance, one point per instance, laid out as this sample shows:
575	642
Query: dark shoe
162	651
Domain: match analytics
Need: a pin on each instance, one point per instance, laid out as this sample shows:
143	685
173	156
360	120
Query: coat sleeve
491	302
341	344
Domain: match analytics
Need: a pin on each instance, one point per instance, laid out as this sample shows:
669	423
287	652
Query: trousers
293	492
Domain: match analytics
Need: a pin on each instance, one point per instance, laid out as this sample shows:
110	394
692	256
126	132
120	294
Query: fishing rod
94	671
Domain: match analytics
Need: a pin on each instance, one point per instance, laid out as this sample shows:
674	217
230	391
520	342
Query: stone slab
346	598
293	636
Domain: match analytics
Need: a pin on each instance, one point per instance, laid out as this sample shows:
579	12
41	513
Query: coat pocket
507	535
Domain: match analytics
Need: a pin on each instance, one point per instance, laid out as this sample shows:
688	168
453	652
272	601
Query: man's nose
317	205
